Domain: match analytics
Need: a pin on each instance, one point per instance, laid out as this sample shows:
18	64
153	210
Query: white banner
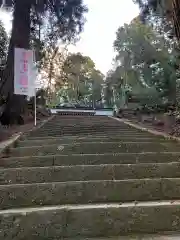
23	68
32	81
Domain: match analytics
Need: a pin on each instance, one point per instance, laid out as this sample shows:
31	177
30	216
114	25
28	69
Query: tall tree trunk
20	38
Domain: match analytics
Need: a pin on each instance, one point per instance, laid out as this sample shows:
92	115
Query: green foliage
3	50
146	57
83	80
64	18
146	66
158	8
3	44
161	14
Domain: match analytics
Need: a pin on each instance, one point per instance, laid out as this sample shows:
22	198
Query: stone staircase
88	177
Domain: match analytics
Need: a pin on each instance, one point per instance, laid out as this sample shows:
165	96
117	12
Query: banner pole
35	111
35	103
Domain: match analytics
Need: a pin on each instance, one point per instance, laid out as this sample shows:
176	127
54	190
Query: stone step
125	182
92	220
56	132
85	121
84	192
79	134
28	143
90	131
82	135
69	136
93	147
80	131
88	125
78	124
89	159
92	128
74	113
89	172
164	236
92	118
57	126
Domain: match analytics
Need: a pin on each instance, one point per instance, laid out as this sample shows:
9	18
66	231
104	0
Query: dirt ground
158	122
7	132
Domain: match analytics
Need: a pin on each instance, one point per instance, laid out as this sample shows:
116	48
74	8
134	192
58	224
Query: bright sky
103	19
